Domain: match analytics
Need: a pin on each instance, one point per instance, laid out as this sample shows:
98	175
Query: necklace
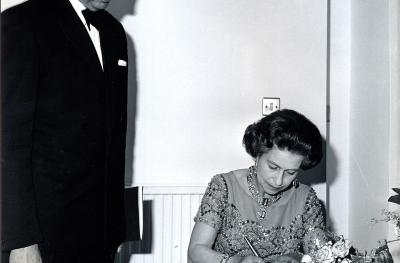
266	200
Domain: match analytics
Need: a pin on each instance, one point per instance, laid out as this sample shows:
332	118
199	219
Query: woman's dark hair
287	129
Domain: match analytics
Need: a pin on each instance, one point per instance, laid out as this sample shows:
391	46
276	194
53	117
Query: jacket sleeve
19	82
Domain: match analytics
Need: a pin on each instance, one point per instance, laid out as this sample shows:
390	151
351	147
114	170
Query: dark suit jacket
63	128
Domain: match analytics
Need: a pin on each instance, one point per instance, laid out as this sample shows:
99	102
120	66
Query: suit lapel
76	33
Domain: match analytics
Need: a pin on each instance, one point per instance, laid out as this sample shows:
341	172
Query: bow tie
93	18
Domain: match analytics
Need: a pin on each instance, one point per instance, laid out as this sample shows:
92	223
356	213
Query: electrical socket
270	105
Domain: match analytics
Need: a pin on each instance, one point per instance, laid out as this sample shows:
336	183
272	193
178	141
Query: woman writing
262	213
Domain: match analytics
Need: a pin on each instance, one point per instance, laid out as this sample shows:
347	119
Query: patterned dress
291	224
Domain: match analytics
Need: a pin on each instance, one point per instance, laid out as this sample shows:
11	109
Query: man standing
64	91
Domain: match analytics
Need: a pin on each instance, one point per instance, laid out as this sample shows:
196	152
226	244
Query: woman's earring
295	183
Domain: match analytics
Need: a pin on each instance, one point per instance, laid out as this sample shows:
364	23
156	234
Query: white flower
324	255
306	259
341	248
345	260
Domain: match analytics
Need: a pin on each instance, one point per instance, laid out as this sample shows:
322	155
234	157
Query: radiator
168	214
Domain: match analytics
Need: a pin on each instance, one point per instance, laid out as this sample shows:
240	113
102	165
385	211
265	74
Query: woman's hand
247	259
286	259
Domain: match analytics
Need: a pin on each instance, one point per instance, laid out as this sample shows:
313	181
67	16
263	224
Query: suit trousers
92	254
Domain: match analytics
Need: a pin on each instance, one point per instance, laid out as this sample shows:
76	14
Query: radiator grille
168	214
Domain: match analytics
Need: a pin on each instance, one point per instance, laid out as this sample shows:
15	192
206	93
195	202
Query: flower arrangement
339	250
391	216
329	252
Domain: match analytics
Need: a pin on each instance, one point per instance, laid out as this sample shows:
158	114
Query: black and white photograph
187	131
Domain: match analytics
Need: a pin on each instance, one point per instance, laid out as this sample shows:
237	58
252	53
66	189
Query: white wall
394	181
203	67
338	176
364	128
369	120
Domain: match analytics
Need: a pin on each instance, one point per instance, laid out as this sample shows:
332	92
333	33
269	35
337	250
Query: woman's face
276	169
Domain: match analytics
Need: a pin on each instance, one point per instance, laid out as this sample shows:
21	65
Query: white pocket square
121	63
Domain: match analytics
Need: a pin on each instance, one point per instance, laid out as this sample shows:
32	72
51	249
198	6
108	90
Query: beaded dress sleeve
314	223
214	202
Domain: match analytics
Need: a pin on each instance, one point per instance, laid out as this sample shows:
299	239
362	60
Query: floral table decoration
331	248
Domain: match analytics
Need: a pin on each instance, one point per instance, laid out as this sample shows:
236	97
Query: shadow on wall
317	175
143	246
119	9
332	170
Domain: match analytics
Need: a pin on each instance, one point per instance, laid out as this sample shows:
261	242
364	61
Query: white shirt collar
93	32
79	7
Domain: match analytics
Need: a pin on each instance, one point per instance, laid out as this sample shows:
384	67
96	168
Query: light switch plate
270	105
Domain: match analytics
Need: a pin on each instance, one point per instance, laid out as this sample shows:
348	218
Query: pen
250	246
